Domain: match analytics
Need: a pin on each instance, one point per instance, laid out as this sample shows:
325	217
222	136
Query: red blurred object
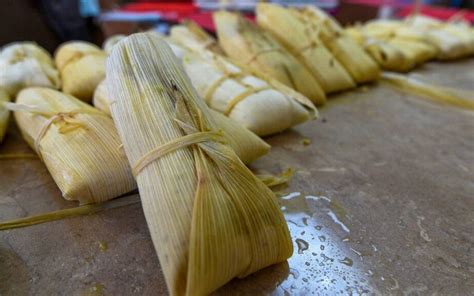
442	13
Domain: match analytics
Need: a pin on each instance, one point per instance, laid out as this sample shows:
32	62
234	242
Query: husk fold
253	47
82	68
192	36
209	217
246	144
78	144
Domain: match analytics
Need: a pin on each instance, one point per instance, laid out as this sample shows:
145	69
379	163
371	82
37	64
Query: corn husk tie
65	120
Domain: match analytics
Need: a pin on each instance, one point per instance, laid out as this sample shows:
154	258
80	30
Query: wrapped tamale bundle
78	144
111	41
355	60
246	144
302	40
246	43
4	113
82	68
192	36
25	64
419	52
210	218
388	56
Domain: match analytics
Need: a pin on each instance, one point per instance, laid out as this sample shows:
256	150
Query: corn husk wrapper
302	40
111	41
416	51
355	60
249	45
246	144
25	64
388	56
4	113
249	100
192	36
210	219
82	68
81	150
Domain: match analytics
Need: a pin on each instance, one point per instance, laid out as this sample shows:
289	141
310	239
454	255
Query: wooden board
382	202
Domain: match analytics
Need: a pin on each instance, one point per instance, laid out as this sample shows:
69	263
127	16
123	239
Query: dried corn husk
78	144
355	60
82	68
25	64
246	144
416	51
302	40
111	41
249	45
388	56
437	94
4	113
192	36
209	217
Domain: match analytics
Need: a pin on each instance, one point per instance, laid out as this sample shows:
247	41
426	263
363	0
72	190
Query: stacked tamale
4	113
209	217
82	68
25	64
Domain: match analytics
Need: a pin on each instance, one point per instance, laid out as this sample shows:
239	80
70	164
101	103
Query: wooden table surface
382	202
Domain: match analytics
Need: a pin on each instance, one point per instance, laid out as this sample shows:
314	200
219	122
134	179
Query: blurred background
51	22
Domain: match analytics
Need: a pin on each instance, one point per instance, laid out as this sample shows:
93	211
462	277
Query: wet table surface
382	203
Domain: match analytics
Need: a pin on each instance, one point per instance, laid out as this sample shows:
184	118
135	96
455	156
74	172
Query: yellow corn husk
82	68
302	40
25	64
80	149
246	144
386	55
355	60
249	45
192	36
416	51
390	57
209	217
382	29
437	94
4	113
111	41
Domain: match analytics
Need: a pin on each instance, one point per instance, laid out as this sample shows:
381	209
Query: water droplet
346	261
302	245
326	258
346	239
305	280
314	254
291	195
294	273
307	263
305	221
322	238
322	248
303	232
283	208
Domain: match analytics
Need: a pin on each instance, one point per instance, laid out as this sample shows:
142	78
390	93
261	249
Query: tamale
78	144
82	68
4	113
388	56
209	217
246	144
355	60
418	52
251	46
25	64
251	101
111	41
302	40
191	35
